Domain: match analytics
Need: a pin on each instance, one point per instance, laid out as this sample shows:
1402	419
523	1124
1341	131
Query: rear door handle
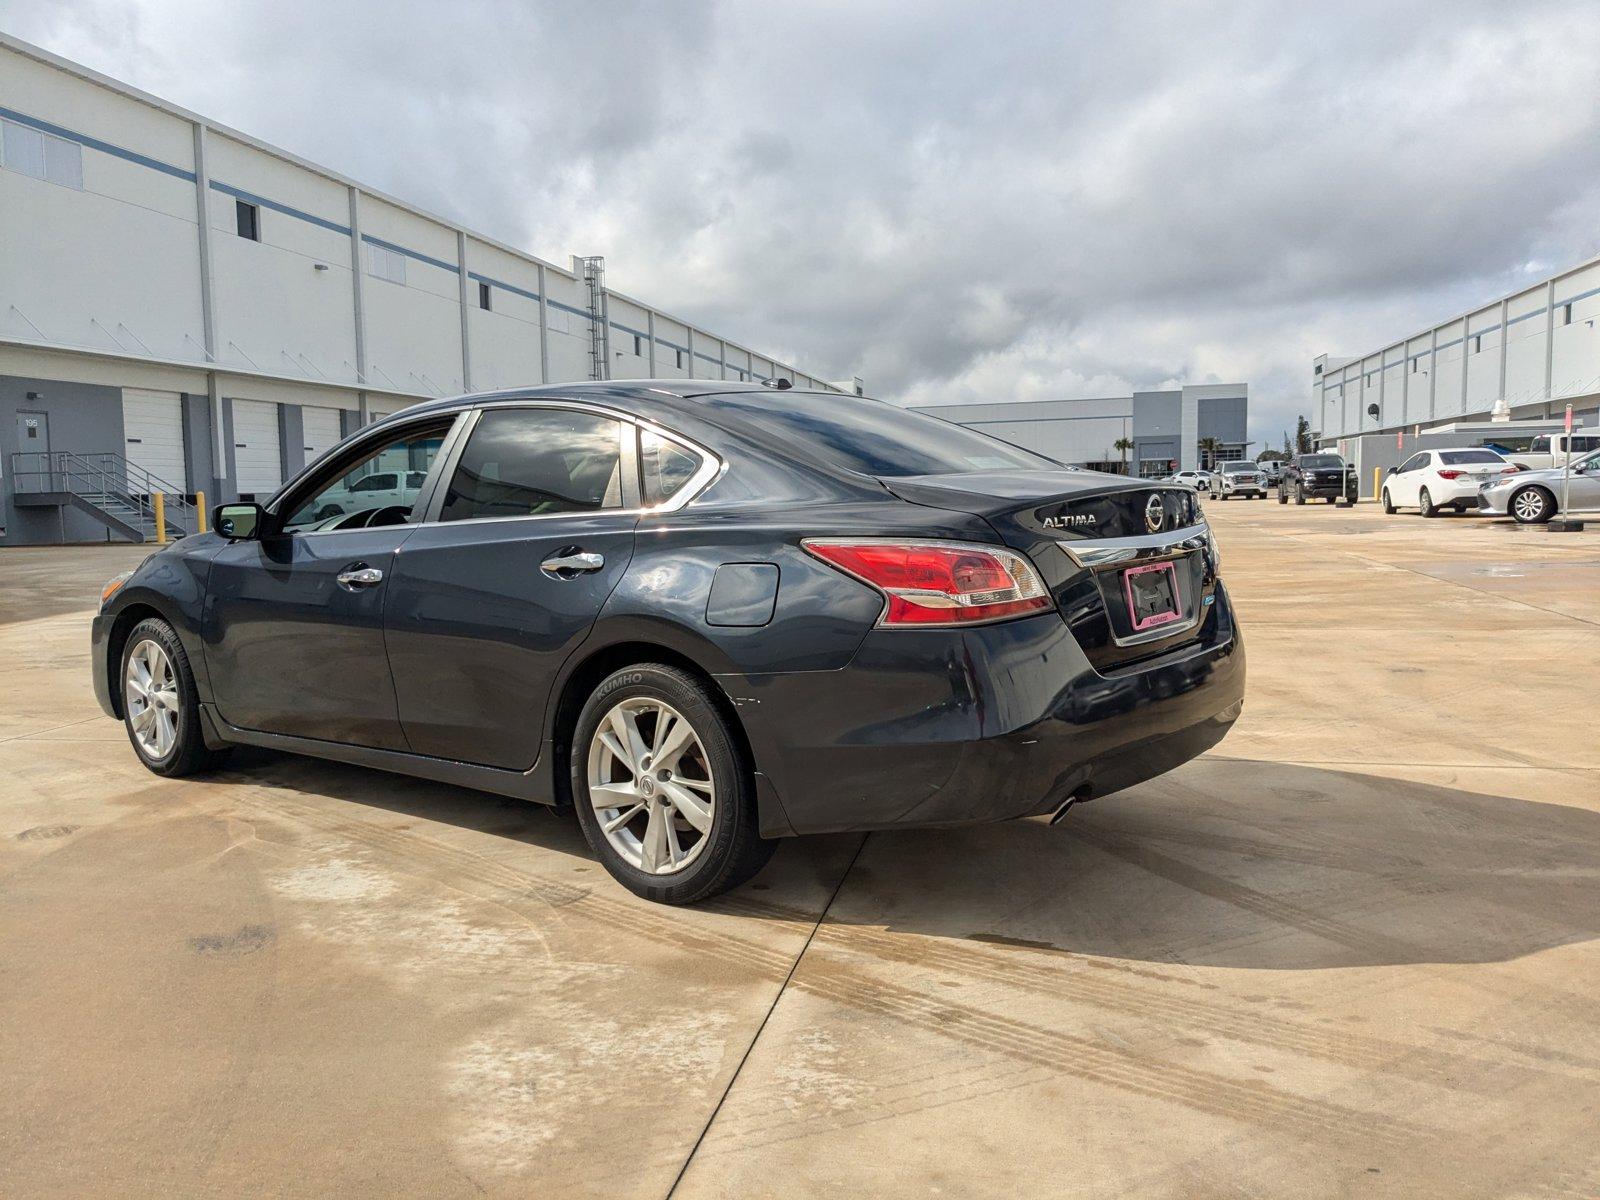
358	576
572	562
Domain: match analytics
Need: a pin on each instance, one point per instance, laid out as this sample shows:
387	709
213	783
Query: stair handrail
111	477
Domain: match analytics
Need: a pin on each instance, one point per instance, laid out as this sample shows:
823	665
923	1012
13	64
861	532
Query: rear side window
869	437
1460	458
664	467
529	462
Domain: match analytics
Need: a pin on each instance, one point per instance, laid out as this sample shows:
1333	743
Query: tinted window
1540	444
1415	463
523	462
870	437
1457	458
361	493
1321	461
665	466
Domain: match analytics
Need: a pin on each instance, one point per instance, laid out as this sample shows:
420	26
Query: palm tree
1124	444
1209	446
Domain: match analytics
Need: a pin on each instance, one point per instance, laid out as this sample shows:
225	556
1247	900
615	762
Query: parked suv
1240	478
1320	474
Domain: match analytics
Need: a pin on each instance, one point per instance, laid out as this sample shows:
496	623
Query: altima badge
1072	521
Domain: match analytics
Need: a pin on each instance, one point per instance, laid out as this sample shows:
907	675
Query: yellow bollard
161	517
1377	482
199	512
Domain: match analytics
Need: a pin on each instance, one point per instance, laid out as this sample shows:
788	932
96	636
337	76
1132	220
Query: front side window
531	462
1415	463
380	488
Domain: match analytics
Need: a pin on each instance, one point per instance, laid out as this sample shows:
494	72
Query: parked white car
1433	479
1198	480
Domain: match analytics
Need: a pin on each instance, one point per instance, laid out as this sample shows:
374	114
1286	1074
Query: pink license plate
1152	593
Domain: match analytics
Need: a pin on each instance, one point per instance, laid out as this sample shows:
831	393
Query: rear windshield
1316	461
1458	458
870	437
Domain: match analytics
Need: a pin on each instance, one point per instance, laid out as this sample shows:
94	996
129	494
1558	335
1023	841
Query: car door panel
477	630
291	650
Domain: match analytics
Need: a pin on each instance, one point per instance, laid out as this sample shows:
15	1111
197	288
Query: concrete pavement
1351	952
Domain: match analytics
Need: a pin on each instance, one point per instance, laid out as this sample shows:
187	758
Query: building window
1477	342
638	346
1415	363
1566	314
386	264
1317	370
40	156
247	218
679	353
483	297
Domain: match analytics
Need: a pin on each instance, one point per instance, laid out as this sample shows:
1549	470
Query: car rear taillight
1450	474
938	583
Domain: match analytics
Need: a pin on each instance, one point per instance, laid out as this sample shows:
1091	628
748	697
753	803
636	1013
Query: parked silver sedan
1533	497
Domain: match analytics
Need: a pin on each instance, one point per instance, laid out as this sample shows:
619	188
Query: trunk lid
1083	530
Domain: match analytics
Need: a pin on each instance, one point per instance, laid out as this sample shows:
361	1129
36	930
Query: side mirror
238	522
1390	471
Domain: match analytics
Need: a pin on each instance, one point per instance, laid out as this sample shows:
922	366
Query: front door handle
572	562
358	576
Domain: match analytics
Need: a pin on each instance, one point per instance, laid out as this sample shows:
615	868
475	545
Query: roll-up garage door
257	454
321	430
152	424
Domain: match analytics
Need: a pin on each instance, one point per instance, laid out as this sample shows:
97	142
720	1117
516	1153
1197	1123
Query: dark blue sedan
705	615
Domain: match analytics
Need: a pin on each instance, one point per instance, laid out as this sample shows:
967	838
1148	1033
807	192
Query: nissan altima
704	615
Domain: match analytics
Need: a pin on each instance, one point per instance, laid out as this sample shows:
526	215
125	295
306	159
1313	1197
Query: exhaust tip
1084	793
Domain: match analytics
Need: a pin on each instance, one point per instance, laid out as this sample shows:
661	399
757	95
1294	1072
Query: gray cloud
957	200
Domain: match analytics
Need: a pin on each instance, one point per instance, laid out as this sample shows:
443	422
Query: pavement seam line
767	1016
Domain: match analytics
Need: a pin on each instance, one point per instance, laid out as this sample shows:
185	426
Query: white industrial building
1183	428
1523	357
186	309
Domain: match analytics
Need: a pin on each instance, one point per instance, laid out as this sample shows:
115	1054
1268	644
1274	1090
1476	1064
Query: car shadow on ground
1227	863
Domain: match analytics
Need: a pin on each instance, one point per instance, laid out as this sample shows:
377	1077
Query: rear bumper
948	727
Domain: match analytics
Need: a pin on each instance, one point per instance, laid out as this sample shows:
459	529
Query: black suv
1317	475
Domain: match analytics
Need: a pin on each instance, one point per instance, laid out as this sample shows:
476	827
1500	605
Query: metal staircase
594	275
115	492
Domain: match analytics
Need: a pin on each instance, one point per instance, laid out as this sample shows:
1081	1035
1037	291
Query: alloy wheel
651	786
1529	505
150	698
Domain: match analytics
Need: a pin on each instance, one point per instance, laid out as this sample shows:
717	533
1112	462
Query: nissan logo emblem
1155	513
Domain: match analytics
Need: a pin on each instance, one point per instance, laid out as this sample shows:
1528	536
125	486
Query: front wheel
663	793
1388	504
160	707
1283	496
1532	506
1299	495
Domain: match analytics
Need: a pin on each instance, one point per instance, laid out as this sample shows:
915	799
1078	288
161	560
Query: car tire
160	708
1531	506
645	700
1388	504
1299	495
1283	496
1425	504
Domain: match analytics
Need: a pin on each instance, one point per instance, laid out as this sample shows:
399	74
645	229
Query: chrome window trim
1101	552
712	466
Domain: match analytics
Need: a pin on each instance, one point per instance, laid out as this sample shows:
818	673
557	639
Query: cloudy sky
958	201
